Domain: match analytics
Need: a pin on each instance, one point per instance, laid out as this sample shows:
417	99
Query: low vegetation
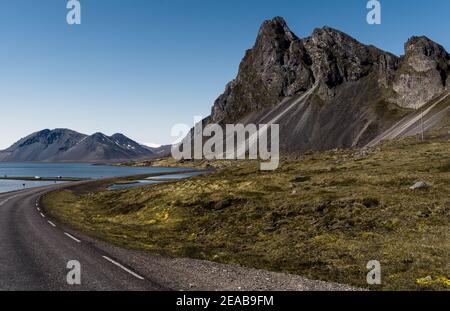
320	215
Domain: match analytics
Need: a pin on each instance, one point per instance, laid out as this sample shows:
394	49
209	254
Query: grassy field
320	215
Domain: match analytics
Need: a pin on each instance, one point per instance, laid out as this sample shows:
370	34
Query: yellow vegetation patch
320	215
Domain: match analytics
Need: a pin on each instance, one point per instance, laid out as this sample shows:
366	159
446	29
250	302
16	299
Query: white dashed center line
79	241
72	237
123	268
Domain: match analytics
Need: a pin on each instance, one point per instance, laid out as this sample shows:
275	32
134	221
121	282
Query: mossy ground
353	207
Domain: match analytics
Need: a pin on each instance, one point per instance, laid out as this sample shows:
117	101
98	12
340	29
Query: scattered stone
320	208
370	202
364	153
423	214
223	204
271	228
428	279
299	179
419	186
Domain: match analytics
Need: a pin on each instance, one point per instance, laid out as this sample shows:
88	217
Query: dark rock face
281	65
276	67
423	74
63	145
359	90
338	58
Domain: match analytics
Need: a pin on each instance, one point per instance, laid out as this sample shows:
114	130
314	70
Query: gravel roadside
182	274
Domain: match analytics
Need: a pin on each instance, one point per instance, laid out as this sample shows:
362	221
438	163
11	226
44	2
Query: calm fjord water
76	170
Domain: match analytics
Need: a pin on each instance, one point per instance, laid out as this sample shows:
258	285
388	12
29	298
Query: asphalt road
35	252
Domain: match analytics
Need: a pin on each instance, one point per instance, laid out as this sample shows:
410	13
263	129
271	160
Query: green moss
327	227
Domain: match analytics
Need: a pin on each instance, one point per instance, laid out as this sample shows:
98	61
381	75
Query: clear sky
140	66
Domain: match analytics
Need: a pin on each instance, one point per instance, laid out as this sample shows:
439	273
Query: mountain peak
421	45
352	84
276	29
425	72
327	30
67	145
41	133
98	134
281	65
118	136
328	36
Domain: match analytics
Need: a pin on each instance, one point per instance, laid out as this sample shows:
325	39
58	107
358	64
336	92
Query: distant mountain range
64	145
330	91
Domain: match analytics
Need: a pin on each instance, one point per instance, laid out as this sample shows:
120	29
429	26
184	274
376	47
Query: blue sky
141	66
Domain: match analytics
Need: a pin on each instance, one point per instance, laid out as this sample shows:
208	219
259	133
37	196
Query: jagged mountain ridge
63	145
360	91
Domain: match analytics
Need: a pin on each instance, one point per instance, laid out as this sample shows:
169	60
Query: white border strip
123	268
72	237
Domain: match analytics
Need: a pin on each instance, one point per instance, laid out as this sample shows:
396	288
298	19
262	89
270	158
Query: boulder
419	186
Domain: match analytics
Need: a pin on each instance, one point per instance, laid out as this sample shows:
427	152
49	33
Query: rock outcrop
277	66
423	73
357	91
282	65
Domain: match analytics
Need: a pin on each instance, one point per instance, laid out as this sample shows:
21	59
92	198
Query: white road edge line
72	237
43	216
123	268
38	209
8	199
51	224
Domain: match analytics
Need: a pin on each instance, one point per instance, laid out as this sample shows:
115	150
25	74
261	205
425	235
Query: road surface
35	251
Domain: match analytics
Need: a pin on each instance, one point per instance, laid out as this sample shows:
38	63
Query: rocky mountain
63	145
329	90
42	145
160	152
423	73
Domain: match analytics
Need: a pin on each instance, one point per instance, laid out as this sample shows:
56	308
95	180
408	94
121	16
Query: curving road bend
35	251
